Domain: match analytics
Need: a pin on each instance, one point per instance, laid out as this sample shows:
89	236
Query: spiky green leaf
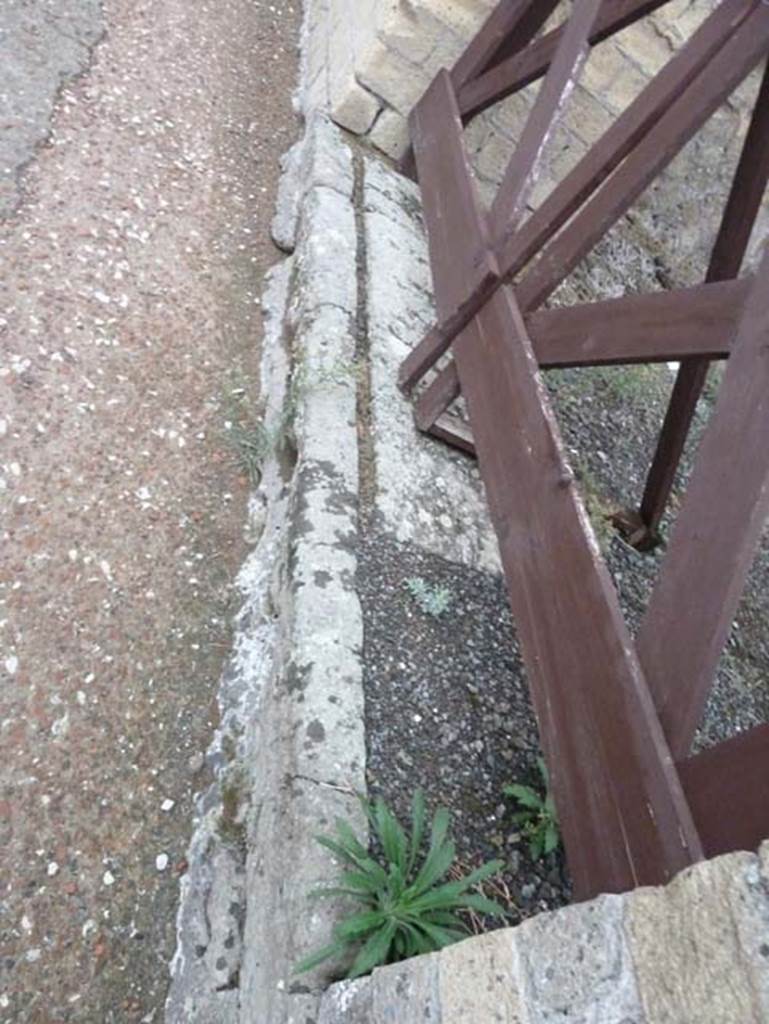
315	959
552	837
483	905
356	925
417	828
374	951
525	795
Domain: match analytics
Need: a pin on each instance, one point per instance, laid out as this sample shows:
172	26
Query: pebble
161	861
108	878
52	869
167	805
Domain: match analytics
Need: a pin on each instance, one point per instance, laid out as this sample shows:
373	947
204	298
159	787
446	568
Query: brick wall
370	61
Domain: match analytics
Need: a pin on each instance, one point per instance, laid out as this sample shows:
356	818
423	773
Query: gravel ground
447	706
133	249
447	709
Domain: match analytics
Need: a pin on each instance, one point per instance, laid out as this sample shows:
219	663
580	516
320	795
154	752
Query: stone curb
696	950
289	756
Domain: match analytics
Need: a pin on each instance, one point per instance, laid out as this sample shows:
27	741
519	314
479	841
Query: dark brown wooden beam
714	539
731	244
622	811
454	431
514	69
726	787
732	63
512	24
661	327
564	71
448	195
620	139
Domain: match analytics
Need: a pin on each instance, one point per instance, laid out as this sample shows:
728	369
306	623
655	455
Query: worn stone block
479	981
425	493
350	105
685	946
390	133
576	966
390	76
407	993
348	1002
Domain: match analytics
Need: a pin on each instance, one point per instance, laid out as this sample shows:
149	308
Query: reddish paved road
129	322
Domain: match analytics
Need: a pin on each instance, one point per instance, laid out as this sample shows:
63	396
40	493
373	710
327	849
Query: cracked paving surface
139	147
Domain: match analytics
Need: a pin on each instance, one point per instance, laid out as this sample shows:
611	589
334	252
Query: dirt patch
129	344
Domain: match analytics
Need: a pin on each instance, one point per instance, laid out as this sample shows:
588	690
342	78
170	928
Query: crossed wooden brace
616	718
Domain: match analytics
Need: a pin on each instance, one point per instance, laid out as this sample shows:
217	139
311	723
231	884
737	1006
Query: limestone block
390	76
493	156
390	133
646	46
491	961
586	116
686	946
576	966
352	106
348	1002
425	493
681	17
603	67
411	31
407	993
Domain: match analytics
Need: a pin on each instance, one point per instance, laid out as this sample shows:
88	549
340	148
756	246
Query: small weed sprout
433	601
254	441
405	907
538	817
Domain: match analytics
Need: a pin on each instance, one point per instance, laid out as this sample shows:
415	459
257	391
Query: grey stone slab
348	1002
426	494
480	980
407	993
308	749
317	160
212	900
576	966
686	947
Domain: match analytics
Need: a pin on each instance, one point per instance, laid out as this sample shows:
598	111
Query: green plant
432	601
253	440
538	817
405	906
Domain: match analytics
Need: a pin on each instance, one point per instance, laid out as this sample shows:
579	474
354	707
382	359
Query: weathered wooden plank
425	354
726	788
456	226
513	69
622	810
731	64
513	23
660	327
623	136
561	77
455	432
728	253
715	535
436	398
